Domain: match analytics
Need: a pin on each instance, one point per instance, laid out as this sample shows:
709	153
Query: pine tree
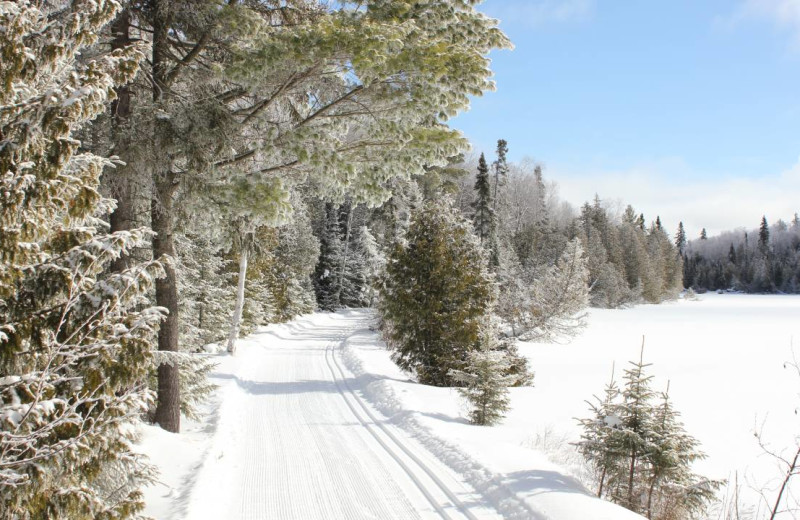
483	217
600	443
640	454
296	257
485	379
365	266
436	293
703	234
75	340
674	491
330	259
636	432
763	237
500	171
680	238
206	301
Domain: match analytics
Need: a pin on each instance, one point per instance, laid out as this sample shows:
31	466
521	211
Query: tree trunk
165	184
650	497
602	481
123	217
631	472
237	313
168	414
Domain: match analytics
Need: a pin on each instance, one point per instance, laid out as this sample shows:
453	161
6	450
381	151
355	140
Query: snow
724	357
288	437
313	420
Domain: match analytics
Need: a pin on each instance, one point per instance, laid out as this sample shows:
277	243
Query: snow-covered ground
724	357
313	420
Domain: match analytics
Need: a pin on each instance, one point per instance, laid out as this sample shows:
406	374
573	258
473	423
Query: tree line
765	260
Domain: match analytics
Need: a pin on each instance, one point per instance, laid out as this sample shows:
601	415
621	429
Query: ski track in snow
295	440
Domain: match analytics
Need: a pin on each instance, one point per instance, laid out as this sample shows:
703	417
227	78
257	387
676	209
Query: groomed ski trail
295	440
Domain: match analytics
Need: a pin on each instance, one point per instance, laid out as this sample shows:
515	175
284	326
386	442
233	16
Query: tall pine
483	216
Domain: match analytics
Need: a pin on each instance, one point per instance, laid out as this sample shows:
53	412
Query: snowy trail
295	440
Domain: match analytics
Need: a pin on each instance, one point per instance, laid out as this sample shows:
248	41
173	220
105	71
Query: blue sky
636	99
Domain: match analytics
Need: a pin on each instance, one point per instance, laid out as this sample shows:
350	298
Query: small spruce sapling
486	380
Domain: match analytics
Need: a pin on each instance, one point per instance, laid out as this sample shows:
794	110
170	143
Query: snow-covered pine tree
640	454
763	237
75	341
636	427
674	490
206	295
485	379
500	172
483	216
436	293
600	442
364	265
680	238
375	262
296	256
330	260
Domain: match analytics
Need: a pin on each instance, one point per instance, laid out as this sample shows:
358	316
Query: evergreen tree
636	427
763	237
483	217
500	171
296	256
640	454
674	491
75	340
330	259
436	293
206	301
703	234
600	442
680	238
485	380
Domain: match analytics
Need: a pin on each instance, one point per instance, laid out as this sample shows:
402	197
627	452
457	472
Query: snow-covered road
294	439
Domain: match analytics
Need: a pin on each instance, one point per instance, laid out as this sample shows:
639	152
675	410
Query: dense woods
763	260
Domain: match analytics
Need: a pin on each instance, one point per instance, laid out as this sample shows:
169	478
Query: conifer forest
251	267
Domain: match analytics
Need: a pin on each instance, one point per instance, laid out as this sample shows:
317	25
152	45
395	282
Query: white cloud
668	190
784	13
541	12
